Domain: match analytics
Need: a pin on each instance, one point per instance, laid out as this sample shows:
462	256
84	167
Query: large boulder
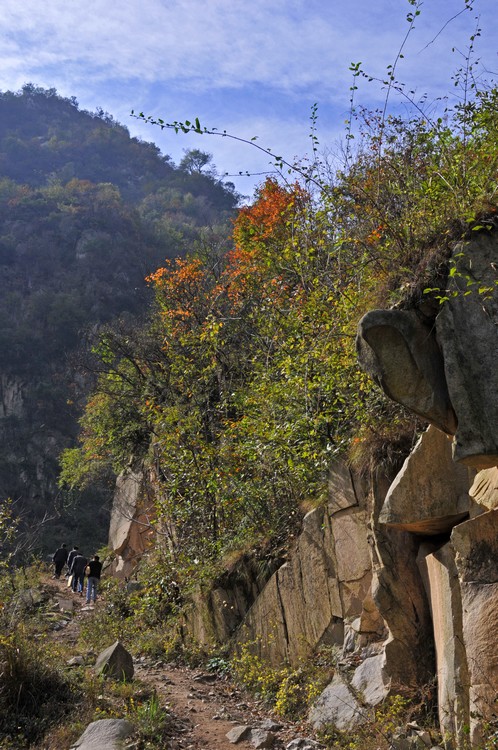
105	734
446	370
431	493
115	662
399	350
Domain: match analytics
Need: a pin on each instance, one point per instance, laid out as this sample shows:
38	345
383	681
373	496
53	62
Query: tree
194	162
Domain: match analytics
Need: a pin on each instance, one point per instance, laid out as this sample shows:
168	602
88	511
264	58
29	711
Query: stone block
115	662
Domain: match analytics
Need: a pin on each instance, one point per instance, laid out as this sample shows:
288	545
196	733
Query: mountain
86	213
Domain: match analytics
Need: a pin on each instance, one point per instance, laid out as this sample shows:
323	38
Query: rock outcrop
442	496
130	531
322	585
399	350
446	369
445	502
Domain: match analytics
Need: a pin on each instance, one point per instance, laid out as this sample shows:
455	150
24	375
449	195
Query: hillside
86	213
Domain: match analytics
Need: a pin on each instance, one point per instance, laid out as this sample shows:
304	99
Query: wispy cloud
238	64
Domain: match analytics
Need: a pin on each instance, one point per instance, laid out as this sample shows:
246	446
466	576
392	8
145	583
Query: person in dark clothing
78	572
95	569
59	559
70	558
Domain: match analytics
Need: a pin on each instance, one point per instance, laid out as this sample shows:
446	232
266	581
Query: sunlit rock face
130	531
398	579
429	502
463	590
446	369
446	494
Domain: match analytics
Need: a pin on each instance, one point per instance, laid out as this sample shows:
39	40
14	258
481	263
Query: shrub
35	692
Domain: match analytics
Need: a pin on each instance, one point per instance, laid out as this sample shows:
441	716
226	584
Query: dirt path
207	708
204	706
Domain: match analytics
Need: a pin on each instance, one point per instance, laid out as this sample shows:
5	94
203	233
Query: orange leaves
260	233
178	273
270	212
183	289
375	235
190	296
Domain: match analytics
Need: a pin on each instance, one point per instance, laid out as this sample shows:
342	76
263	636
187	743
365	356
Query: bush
35	693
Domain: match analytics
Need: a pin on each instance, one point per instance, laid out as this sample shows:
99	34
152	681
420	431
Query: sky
252	69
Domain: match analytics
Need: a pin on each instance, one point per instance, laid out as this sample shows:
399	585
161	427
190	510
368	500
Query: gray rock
106	734
338	706
401	353
418	740
270	725
371	681
115	662
424	736
467	332
238	733
76	661
261	738
303	743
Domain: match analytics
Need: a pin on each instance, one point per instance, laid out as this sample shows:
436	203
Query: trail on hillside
204	707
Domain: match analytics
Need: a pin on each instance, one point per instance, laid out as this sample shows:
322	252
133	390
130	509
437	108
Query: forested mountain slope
86	212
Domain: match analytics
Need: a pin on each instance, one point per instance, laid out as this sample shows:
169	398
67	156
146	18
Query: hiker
59	559
70	559
93	572
78	572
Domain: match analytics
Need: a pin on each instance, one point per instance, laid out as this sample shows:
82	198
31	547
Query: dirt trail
204	707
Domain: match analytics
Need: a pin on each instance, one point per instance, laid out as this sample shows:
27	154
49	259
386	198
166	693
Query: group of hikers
77	567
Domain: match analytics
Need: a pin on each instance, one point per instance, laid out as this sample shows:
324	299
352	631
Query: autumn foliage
244	386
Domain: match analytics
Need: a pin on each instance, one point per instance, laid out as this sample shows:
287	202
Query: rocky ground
204	707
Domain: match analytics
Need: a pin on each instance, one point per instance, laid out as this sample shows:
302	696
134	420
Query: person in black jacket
78	572
70	558
95	569
59	559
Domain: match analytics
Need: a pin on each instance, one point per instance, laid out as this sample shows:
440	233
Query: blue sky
250	68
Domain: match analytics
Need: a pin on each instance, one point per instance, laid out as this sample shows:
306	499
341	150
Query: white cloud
223	42
253	67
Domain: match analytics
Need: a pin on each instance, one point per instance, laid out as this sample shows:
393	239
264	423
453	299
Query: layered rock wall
446	370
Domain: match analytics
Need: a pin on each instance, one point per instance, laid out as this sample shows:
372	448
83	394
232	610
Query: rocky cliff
444	369
399	577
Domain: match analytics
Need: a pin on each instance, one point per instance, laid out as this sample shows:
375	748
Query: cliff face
445	370
400	577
